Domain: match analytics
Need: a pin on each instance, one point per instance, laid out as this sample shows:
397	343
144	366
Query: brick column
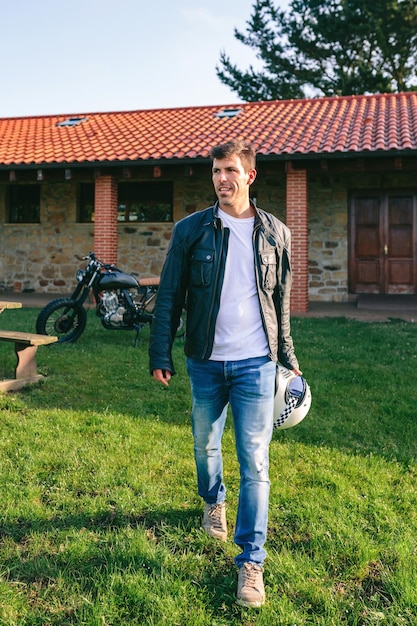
297	222
105	219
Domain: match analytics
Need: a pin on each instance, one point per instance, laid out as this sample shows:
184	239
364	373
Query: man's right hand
162	376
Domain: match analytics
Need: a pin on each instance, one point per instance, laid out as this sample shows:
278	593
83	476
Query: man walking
231	263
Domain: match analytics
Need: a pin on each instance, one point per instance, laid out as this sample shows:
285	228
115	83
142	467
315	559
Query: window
145	202
228	113
72	121
86	203
24	202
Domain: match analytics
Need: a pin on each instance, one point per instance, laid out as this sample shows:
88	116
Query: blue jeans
249	387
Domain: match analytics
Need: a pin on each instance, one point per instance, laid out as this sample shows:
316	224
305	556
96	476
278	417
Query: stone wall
44	257
328	239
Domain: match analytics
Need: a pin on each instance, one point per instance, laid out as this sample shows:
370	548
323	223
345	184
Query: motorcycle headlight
80	275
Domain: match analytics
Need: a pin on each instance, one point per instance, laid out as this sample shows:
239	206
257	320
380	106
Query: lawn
100	521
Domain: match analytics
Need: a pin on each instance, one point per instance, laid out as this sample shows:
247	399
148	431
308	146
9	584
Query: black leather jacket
193	272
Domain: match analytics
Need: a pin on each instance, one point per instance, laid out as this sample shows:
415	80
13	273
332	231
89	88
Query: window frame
83	201
129	194
24	205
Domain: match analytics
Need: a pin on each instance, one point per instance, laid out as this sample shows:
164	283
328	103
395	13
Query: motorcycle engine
114	311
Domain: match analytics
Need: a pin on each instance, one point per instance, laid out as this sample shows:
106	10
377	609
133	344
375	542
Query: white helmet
292	399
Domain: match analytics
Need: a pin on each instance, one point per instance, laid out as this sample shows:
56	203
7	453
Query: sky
86	56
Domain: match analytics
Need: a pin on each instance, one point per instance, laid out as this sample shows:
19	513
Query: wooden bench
9	305
25	345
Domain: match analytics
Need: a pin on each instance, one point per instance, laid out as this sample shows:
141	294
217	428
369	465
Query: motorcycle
122	303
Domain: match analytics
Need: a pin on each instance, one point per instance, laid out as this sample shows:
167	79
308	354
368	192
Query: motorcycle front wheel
63	318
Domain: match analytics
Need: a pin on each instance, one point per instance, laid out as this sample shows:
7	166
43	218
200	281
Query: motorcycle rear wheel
63	318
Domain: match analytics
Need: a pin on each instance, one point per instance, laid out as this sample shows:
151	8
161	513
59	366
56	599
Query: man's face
232	181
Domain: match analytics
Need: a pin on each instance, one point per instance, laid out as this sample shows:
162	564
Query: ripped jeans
248	386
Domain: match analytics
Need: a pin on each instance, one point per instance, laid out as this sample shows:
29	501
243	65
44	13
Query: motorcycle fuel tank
117	280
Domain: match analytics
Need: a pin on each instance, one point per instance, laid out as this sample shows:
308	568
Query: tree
326	48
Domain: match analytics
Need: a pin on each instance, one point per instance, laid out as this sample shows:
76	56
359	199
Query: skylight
228	113
72	121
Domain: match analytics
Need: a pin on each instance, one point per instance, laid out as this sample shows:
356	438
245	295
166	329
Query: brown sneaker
214	520
250	586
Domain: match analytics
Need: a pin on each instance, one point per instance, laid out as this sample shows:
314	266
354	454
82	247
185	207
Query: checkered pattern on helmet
289	407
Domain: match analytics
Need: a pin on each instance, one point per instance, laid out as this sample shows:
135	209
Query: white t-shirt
239	332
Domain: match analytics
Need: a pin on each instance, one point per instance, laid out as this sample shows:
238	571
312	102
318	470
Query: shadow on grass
93	549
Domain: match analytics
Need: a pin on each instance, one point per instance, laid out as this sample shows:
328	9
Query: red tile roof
346	125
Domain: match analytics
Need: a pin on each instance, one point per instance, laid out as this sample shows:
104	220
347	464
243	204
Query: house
341	172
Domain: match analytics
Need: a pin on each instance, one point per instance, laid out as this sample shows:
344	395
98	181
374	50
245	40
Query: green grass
99	517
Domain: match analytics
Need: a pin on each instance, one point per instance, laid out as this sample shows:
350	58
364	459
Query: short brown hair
243	150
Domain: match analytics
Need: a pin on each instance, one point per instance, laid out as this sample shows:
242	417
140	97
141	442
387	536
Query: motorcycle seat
149	282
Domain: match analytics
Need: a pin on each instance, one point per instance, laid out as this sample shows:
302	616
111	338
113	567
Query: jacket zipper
257	274
209	321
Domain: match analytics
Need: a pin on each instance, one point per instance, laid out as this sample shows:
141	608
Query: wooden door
382	251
